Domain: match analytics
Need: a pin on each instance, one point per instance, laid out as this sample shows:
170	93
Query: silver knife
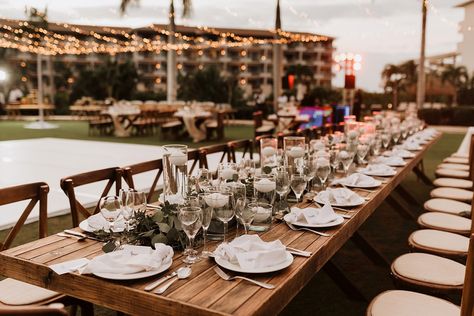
153	285
78	234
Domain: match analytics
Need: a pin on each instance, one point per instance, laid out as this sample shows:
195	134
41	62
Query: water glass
190	218
262	219
282	179
204	179
323	169
346	158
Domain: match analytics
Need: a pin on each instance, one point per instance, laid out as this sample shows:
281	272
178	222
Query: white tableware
320	199
236	268
387	172
336	222
133	276
84	225
361	185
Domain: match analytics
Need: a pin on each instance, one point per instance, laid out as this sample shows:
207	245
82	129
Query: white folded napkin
411	144
356	179
390	161
339	196
98	222
313	215
251	252
131	259
399	152
377	169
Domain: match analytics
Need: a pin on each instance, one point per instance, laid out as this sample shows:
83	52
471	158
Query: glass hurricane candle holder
268	152
295	150
175	172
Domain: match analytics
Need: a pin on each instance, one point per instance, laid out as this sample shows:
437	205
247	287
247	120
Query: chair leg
402	210
406	195
420	173
87	309
343	282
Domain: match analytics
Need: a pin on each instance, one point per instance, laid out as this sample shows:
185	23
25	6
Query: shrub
61	101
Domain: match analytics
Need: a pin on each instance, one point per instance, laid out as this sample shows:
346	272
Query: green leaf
164	228
158	216
267	170
149	233
109	247
160	238
235	177
172	235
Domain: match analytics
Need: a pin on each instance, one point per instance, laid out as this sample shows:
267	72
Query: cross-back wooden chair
68	184
142	167
208	150
53	310
193	160
398	302
246	145
36	193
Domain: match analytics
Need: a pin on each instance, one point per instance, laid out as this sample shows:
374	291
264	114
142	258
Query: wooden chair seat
454	166
459	174
452	194
407	303
447	206
429	272
453	183
439	242
445	222
16	293
456	155
464	161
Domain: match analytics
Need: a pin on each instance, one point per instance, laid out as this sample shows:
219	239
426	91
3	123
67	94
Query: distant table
122	121
86	110
204	293
14	110
191	120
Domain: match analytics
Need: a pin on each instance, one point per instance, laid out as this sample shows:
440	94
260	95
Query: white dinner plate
377	174
375	183
134	276
236	268
361	201
405	156
84	225
338	221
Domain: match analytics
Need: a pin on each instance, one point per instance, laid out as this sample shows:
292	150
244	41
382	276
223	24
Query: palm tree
457	76
186	6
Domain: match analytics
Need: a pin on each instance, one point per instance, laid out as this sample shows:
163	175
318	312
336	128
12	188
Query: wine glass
190	218
110	209
396	134
298	184
346	158
309	169
386	137
223	205
206	221
334	159
127	199
282	179
362	150
240	197
377	145
323	169
204	179
248	215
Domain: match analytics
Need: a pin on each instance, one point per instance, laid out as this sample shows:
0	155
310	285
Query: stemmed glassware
386	138
110	209
346	158
282	179
190	218
223	205
334	159
126	197
396	134
323	169
377	145
206	221
239	191
309	169
248	214
298	184
204	179
362	150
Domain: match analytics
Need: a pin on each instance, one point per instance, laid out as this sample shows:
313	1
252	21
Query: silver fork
292	227
227	277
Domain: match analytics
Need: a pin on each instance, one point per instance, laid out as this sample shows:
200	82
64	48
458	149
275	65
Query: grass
385	229
11	130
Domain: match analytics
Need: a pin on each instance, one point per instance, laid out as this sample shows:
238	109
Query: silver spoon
182	273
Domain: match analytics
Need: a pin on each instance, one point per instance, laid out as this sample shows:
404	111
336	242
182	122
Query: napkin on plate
391	161
377	169
313	215
251	252
411	144
98	222
131	259
356	179
339	196
399	152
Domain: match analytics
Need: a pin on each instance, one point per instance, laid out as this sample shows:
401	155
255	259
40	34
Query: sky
382	31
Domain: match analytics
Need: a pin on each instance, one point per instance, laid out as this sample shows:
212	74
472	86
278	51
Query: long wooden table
204	293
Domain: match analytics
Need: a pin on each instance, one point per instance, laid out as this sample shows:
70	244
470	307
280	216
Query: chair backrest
208	150
68	184
257	119
194	159
35	192
130	171
471	158
33	310
245	144
467	302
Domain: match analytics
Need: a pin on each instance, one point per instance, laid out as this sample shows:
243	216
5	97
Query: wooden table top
29	106
204	293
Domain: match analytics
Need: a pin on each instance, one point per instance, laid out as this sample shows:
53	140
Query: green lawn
385	229
10	130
